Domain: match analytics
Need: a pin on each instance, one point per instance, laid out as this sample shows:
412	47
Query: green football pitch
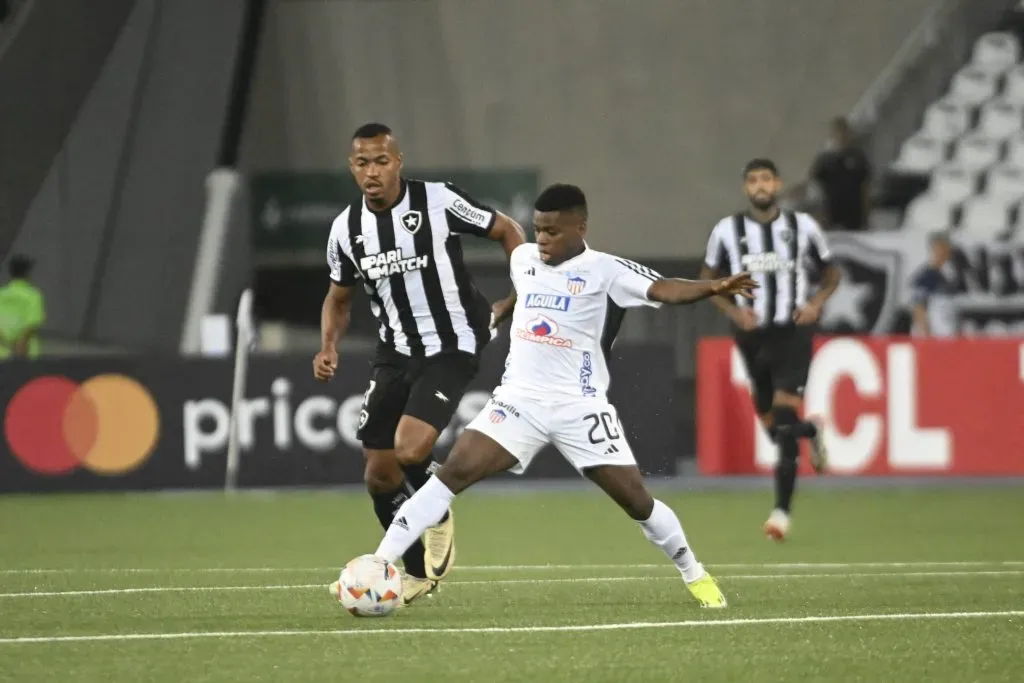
874	585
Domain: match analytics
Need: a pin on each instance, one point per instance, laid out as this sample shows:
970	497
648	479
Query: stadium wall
115	224
650	111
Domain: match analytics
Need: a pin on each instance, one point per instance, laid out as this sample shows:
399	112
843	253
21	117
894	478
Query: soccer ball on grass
369	586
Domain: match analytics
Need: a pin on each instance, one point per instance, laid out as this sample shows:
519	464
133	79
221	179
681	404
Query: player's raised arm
679	291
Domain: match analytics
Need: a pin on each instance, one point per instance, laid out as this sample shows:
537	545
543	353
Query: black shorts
777	358
425	388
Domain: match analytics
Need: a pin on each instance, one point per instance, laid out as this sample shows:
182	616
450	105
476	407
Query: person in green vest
22	312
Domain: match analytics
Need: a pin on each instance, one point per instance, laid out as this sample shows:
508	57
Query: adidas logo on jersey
388	263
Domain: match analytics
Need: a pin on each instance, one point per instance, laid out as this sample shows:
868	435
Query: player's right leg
756	350
502	437
437	386
474	457
382	409
790	359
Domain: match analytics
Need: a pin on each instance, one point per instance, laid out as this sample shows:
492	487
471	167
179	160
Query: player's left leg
437	388
790	367
625	485
589	435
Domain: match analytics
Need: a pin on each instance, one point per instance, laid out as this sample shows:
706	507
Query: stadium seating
1000	118
976	151
921	154
984	218
953	182
996	52
973	85
969	151
1006	183
928	212
946	119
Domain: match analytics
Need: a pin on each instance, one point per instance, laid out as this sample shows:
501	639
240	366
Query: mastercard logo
108	424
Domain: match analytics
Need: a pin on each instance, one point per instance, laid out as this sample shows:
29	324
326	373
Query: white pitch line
501	582
159	589
694	623
514	567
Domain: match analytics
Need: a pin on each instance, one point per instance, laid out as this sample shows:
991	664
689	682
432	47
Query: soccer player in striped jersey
402	243
783	250
569	306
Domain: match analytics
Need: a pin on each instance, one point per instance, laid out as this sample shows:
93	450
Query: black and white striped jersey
780	255
409	260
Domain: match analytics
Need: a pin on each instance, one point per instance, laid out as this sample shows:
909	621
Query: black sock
785	473
786	421
385	505
805	430
417	474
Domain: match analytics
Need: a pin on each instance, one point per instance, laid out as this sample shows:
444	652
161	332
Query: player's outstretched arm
334	318
510	234
678	291
745	318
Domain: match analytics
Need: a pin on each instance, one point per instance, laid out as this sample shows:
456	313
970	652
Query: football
369	586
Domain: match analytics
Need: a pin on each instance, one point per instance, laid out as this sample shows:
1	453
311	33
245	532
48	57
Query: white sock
663	529
424	509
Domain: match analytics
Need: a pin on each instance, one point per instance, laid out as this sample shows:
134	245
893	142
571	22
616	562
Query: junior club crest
575	285
411	221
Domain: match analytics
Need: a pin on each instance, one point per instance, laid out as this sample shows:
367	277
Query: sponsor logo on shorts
553	302
502	406
543	330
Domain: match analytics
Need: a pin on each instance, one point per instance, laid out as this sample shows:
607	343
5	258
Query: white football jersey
566	318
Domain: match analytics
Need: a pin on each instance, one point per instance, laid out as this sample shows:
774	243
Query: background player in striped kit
402	242
783	250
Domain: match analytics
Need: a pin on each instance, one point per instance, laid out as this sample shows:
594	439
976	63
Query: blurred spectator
843	174
22	312
929	289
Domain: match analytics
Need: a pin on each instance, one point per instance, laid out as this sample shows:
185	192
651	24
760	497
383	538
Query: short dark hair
760	164
562	197
940	237
371	130
20	266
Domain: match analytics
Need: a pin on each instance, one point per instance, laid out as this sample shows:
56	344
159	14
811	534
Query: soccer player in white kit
568	306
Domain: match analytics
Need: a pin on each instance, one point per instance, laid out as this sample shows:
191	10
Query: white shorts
587	432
